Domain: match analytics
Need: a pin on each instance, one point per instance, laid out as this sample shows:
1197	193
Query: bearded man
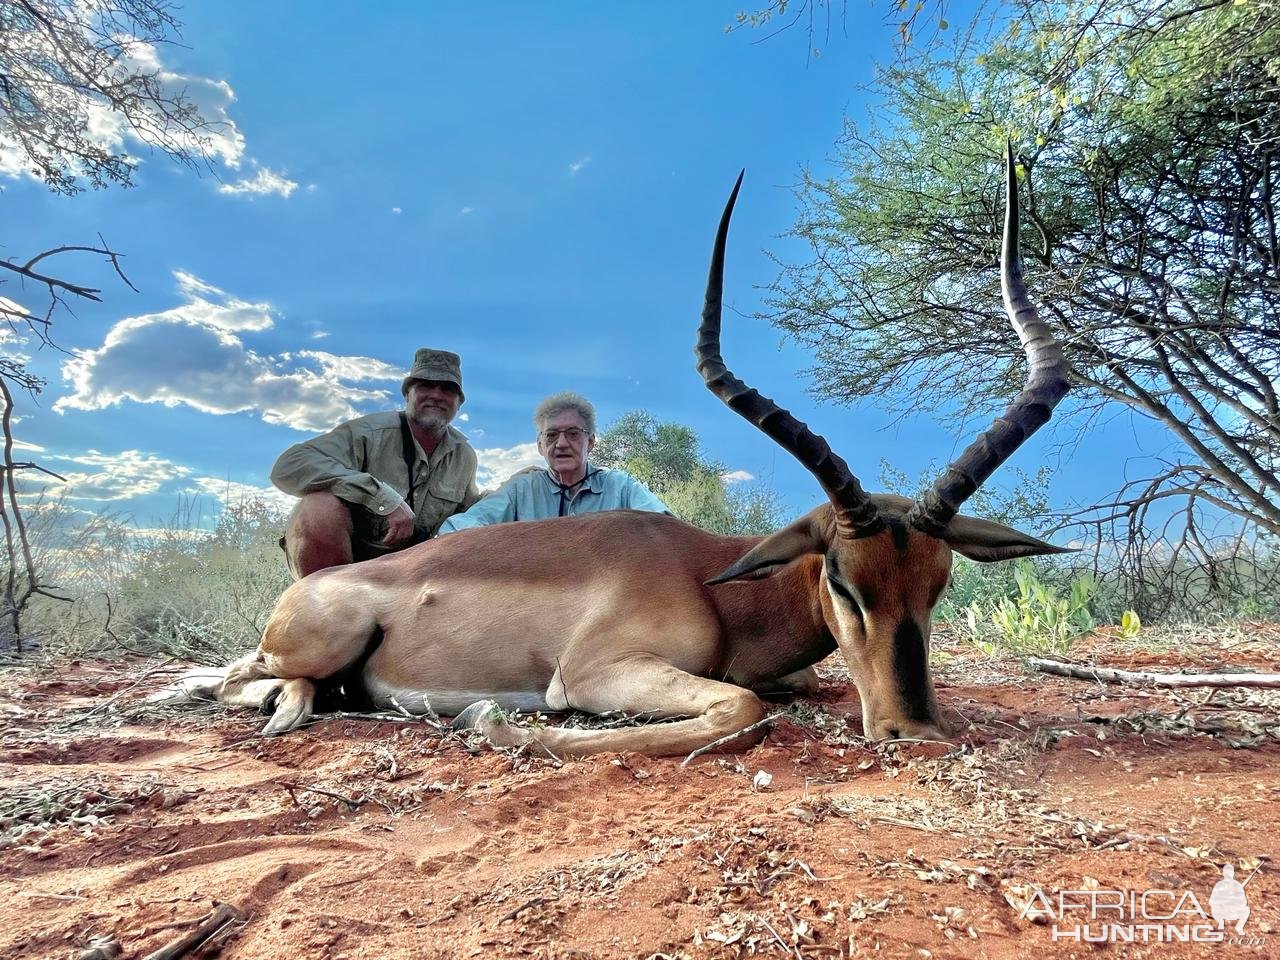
380	483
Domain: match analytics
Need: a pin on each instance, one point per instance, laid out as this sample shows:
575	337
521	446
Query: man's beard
431	419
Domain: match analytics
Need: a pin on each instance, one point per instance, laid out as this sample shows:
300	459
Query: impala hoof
486	718
294	701
478	716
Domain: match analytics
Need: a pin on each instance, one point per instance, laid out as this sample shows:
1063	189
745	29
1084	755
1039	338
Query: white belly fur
449	703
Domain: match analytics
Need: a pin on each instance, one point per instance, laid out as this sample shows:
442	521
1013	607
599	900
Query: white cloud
118	476
496	464
10	338
577	166
312	187
396	210
11	309
736	476
134	473
232	492
204	363
263	183
211	99
221	141
466	210
352	368
319	334
51	499
206	304
23	445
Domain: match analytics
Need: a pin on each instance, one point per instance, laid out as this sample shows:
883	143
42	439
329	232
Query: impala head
886	560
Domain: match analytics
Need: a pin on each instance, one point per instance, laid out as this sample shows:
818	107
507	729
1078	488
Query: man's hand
399	526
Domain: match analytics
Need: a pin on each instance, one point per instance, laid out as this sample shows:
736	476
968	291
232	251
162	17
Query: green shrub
1039	619
1130	625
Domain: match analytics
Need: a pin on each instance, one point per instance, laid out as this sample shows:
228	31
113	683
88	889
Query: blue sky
533	186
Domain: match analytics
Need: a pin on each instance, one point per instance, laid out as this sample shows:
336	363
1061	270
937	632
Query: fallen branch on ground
1152	679
223	915
535	902
352	805
101	948
733	736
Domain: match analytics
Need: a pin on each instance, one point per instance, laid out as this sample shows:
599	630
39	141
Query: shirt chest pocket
441	498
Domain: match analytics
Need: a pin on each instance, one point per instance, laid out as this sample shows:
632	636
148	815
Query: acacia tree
77	77
1148	138
665	458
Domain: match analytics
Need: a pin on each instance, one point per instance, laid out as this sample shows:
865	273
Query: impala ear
987	541
776	550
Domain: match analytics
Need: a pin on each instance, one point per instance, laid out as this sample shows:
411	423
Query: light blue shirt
536	496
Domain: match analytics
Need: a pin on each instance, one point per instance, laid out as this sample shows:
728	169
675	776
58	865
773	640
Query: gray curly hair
560	402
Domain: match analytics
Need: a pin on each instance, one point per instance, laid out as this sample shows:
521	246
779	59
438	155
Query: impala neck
773	626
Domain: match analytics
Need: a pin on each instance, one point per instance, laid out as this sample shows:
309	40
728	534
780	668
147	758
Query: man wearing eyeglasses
570	485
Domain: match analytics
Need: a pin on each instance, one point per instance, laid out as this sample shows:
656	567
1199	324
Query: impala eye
841	587
841	590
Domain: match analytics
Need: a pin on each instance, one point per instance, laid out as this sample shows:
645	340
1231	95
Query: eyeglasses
573	435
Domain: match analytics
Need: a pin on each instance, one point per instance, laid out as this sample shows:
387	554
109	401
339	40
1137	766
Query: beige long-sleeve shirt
362	461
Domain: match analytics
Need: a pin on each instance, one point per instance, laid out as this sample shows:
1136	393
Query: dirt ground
123	826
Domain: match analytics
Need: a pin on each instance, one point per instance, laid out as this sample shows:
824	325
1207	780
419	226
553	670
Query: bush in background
183	590
666	458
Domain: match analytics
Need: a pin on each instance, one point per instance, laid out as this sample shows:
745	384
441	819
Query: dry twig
221	917
1153	679
733	736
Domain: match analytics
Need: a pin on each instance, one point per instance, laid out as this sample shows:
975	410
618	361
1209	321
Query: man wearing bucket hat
380	483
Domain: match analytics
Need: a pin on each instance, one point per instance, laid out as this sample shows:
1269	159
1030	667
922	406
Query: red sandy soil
125	826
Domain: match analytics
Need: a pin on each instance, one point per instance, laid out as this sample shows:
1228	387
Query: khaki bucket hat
431	364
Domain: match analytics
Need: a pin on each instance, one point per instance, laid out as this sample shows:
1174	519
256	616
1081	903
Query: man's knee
318	534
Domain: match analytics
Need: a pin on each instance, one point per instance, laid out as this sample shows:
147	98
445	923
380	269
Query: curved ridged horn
1046	385
856	515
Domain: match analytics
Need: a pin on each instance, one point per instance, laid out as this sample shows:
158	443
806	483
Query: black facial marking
862	599
909	665
897	530
839	587
841	590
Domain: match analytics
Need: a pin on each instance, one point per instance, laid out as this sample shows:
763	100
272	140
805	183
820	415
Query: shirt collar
594	481
452	437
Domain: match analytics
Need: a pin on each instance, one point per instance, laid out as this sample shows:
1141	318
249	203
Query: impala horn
1046	384
856	515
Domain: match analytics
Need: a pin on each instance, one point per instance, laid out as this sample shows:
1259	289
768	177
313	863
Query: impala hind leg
645	688
249	682
320	627
242	683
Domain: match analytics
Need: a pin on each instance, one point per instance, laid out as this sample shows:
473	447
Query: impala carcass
647	615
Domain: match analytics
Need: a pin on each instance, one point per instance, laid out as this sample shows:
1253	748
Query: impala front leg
643	687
